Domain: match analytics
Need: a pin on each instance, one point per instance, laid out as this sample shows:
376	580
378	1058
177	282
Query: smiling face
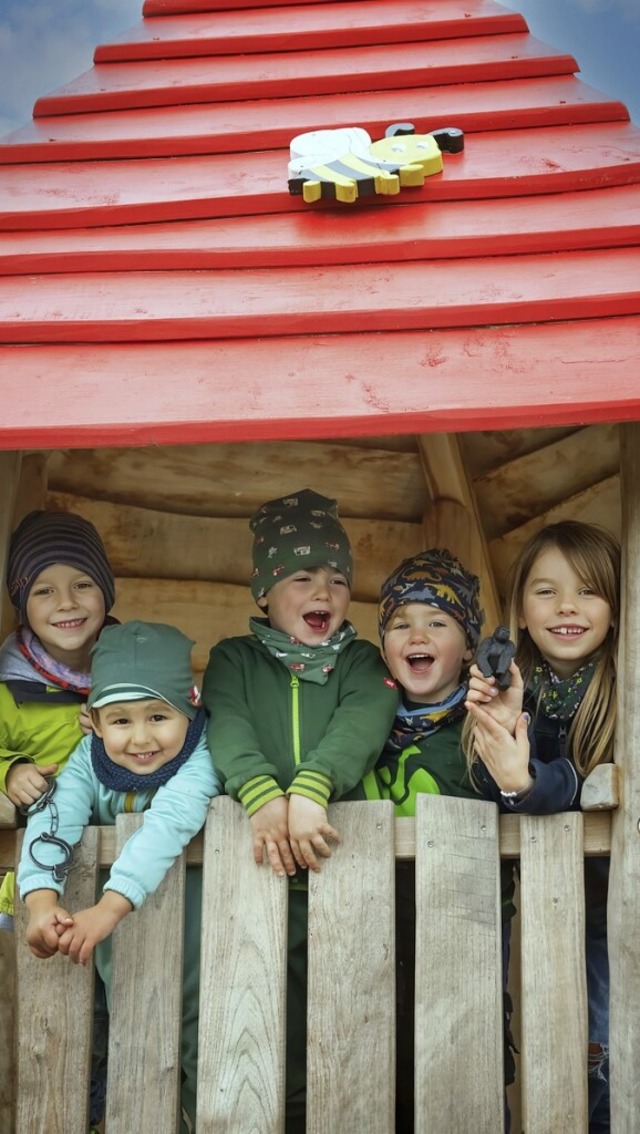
65	610
565	617
426	651
310	605
140	736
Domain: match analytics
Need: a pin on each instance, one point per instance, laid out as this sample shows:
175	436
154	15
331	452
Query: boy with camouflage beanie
299	711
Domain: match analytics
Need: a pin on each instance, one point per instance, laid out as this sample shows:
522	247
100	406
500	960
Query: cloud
624	9
45	45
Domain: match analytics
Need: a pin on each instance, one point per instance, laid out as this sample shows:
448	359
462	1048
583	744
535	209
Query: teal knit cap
294	533
137	661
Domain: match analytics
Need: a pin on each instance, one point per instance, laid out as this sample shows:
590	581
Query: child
148	753
62	588
299	712
564	609
429	622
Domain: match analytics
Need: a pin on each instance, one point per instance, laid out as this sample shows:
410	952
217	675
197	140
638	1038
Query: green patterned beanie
295	532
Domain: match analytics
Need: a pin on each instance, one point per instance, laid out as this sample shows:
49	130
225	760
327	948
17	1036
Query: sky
45	43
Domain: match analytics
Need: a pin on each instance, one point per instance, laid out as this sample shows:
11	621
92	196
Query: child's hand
504	705
25	782
270	828
505	757
84	720
47	921
308	831
91	926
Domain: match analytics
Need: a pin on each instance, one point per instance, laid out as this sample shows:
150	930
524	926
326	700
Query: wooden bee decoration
344	164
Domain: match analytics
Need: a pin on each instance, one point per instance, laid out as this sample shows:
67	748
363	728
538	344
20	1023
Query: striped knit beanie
294	533
435	577
45	538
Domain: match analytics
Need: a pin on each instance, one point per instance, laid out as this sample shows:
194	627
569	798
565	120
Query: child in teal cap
148	746
299	711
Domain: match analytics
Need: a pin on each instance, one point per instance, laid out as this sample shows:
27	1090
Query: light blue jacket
173	814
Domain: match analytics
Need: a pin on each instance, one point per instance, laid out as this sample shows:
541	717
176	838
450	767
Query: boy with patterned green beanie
299	712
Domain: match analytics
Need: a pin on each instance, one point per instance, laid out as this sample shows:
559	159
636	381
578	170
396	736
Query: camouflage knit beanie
297	532
435	577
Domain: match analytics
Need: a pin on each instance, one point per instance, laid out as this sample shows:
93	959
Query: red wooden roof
159	284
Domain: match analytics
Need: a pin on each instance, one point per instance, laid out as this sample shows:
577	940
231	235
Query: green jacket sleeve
361	721
44	733
233	740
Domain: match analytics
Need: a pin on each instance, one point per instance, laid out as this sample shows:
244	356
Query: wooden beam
9	479
509	495
597	840
452	519
624	909
599	504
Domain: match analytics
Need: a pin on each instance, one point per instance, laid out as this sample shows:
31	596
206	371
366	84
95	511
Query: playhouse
455	358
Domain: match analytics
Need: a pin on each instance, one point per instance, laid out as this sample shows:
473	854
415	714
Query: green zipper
295	717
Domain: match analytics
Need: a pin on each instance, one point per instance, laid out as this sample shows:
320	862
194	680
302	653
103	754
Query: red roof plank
167	82
482	378
504	164
310	26
234	127
152	306
555	223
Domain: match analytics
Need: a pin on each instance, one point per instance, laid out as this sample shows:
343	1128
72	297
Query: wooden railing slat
242	994
459	1047
351	1020
624	909
146	998
554	995
55	1008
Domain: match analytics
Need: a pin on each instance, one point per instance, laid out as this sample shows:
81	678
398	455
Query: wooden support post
242	993
9	480
459	1024
55	1009
624	882
351	1020
452	519
146	997
554	992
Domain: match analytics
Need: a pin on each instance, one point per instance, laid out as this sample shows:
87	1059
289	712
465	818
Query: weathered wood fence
457	846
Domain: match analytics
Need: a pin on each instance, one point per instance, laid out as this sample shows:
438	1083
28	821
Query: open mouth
318	620
70	624
420	663
568	631
143	757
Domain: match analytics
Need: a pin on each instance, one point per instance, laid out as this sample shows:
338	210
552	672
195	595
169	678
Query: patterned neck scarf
560	699
117	778
411	726
54	672
309	663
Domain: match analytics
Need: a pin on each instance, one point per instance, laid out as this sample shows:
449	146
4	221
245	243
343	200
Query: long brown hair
594	554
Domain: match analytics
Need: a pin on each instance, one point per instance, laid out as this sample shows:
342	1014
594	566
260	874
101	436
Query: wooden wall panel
233	480
207	612
164	545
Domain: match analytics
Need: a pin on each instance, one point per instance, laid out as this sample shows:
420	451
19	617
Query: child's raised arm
503	705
